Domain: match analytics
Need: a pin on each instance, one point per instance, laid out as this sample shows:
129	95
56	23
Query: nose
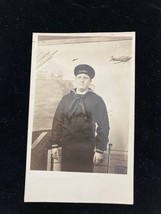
82	79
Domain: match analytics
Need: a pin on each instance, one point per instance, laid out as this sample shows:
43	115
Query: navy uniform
80	126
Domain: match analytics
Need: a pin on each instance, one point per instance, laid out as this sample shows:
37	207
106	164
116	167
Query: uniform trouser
77	161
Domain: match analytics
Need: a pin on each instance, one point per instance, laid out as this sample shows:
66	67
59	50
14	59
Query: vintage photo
81	115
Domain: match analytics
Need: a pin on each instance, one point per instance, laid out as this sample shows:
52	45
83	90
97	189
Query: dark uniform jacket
74	132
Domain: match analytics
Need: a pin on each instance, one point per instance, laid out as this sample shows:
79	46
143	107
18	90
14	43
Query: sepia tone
51	85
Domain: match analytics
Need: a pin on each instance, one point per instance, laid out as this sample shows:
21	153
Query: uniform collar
83	95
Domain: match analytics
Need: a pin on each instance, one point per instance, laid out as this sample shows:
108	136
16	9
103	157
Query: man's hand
55	153
97	158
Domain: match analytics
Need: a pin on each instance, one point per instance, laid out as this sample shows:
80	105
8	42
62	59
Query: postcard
80	146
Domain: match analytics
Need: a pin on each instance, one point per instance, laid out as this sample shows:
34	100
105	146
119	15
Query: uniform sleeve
102	126
56	132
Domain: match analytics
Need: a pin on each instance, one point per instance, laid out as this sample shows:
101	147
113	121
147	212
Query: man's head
83	75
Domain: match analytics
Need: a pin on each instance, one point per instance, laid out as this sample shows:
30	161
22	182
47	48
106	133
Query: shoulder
95	96
67	98
94	101
71	94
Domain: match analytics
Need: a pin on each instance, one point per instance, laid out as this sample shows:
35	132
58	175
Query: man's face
82	82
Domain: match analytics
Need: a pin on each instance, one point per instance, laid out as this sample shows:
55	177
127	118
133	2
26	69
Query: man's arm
102	131
56	132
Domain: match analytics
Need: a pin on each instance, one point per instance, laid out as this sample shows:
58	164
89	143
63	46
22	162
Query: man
80	125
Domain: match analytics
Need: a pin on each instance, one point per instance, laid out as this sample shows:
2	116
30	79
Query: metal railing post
108	158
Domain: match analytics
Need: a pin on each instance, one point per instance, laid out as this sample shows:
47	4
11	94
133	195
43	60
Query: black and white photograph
81	118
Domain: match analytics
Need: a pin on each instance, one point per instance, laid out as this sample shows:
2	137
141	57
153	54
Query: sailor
80	125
